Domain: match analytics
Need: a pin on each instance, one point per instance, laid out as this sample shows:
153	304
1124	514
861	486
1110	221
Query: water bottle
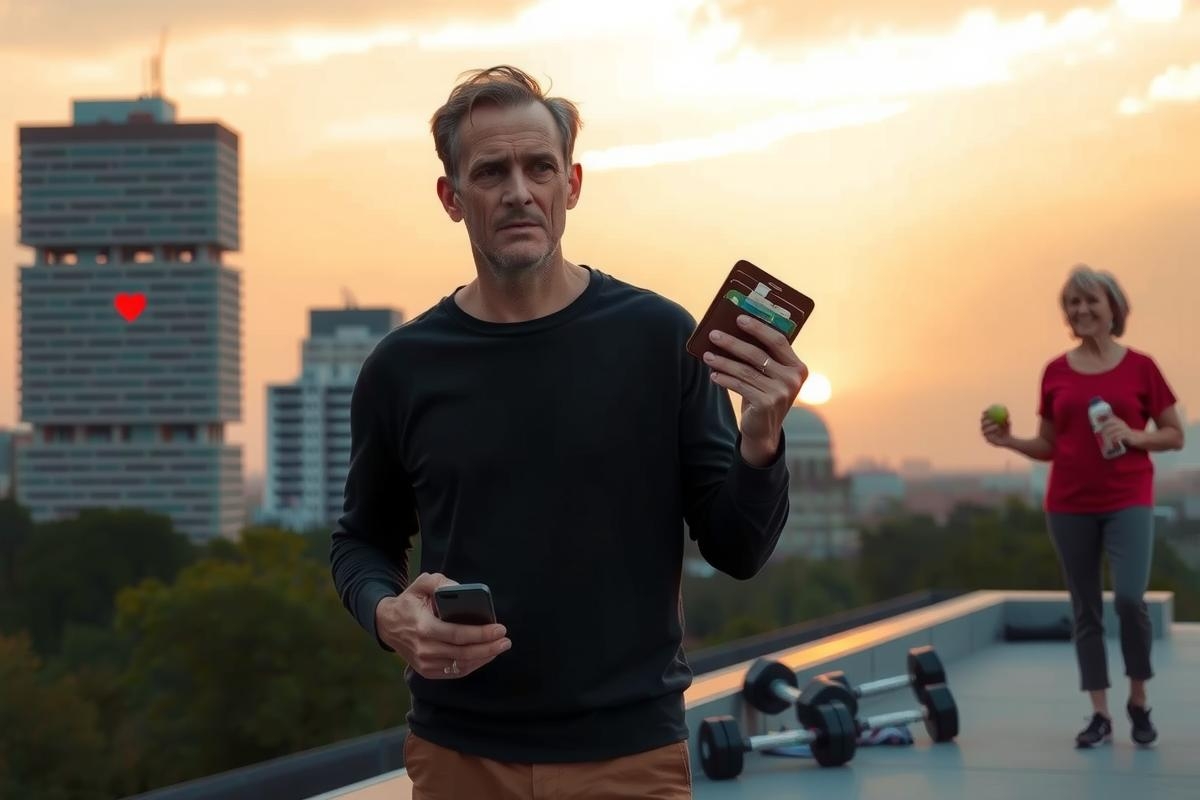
1099	412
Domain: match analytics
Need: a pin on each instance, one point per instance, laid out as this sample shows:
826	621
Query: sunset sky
927	171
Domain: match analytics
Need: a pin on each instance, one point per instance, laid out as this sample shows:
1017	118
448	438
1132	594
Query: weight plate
721	749
941	721
925	667
756	686
836	744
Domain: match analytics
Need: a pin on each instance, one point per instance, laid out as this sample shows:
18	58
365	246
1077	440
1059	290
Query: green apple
998	414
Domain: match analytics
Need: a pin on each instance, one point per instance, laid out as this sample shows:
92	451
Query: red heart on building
130	306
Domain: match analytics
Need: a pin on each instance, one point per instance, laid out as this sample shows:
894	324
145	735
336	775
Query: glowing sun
816	390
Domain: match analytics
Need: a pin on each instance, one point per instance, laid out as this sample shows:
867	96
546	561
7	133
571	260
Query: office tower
130	320
308	421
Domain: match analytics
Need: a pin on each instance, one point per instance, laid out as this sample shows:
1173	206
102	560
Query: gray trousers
1127	536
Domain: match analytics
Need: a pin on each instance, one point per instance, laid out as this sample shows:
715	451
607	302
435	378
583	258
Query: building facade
875	492
820	523
10	440
308	421
130	319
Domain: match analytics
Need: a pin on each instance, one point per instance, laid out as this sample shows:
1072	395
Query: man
545	432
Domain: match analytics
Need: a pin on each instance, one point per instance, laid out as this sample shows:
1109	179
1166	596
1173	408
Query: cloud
545	22
981	50
320	45
214	87
847	82
743	139
378	128
1176	85
862	79
551	21
1131	106
692	55
89	26
691	64
1151	10
773	21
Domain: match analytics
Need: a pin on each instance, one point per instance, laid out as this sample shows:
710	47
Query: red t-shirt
1082	481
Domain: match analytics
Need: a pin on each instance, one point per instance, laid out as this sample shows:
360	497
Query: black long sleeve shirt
557	461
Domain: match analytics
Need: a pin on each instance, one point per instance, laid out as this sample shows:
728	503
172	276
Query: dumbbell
831	735
938	710
771	686
924	669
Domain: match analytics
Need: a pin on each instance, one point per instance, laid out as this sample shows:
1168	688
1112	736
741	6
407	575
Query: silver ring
452	669
763	368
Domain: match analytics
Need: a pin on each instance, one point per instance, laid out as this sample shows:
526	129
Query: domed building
821	503
819	523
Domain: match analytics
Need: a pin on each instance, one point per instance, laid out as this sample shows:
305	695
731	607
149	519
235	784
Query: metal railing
299	775
323	769
711	659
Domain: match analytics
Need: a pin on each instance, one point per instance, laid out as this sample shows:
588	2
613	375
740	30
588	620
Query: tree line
131	658
976	547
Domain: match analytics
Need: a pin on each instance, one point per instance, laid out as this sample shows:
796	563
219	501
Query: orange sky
927	171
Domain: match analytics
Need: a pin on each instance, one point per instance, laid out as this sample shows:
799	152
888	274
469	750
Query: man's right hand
435	649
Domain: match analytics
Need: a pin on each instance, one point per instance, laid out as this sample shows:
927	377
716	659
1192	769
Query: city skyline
931	212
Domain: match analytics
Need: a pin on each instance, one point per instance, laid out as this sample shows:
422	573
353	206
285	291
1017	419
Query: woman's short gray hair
1090	281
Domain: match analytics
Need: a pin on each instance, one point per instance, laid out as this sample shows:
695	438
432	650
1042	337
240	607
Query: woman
1096	505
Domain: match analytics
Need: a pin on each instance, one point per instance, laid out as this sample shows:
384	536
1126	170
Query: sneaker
1143	729
1098	730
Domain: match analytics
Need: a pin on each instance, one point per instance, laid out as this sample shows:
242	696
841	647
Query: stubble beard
511	267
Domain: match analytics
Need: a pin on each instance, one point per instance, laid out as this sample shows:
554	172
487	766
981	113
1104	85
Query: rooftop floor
1019	709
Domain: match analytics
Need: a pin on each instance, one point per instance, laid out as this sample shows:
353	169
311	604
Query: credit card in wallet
750	290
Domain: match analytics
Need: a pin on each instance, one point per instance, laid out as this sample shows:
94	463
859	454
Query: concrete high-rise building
308	421
130	319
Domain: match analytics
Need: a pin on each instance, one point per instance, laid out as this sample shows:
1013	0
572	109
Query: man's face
514	188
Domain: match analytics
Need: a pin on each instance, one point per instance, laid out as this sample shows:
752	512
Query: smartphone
465	604
750	290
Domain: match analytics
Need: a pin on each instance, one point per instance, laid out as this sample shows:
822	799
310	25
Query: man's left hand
768	376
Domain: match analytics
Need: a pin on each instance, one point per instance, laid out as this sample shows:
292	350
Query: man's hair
503	87
1086	280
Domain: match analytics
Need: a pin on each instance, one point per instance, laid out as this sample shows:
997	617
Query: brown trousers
438	773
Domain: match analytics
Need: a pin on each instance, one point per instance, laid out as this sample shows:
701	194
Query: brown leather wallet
750	290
